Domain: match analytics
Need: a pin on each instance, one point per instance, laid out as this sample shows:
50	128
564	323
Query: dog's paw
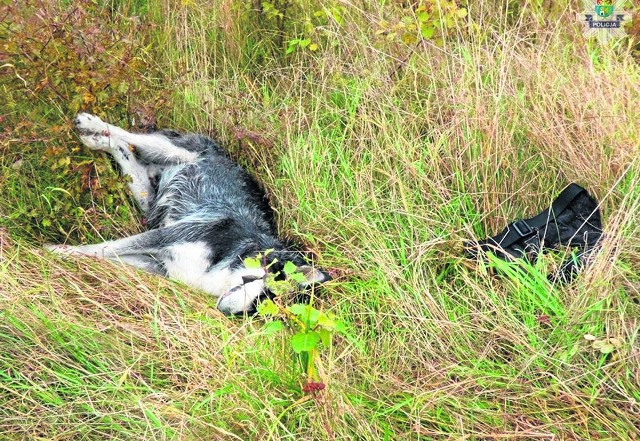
96	142
61	249
86	123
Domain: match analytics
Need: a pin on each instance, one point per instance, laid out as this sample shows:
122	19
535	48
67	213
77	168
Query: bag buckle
522	228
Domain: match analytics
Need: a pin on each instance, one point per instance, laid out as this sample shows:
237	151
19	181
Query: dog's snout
249	279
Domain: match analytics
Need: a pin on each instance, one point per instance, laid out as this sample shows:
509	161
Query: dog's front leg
153	144
140	184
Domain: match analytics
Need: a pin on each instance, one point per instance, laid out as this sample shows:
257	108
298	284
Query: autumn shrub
60	58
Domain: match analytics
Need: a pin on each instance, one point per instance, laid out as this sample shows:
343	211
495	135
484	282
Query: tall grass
382	158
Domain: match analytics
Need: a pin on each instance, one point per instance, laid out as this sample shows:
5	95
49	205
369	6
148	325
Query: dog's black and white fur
204	212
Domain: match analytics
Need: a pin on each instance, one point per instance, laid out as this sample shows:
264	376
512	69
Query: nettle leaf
306	313
289	268
277	287
268	308
292	273
325	337
297	309
272	328
326	321
427	31
340	326
297	277
313	316
305	341
292	45
305	42
252	262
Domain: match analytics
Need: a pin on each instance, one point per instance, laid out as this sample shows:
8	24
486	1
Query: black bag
573	220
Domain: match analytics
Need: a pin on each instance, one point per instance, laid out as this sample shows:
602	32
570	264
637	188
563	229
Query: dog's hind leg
154	147
145	262
125	250
140	184
148	243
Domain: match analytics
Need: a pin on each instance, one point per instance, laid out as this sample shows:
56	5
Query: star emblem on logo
603	19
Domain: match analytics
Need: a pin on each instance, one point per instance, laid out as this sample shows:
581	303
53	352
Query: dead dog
204	212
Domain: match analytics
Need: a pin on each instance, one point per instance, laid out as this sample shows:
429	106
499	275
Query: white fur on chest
190	263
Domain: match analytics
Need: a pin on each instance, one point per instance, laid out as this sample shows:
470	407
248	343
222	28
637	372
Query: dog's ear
312	275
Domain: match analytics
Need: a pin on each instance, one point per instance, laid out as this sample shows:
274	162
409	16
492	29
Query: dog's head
249	284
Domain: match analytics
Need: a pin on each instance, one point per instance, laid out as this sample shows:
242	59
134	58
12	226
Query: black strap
526	228
573	219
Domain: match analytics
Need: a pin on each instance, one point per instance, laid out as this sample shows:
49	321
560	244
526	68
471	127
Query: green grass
380	157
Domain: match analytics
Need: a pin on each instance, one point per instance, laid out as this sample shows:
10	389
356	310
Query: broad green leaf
268	308
297	309
313	316
304	341
252	263
306	313
297	277
289	268
292	46
326	321
325	337
272	327
427	31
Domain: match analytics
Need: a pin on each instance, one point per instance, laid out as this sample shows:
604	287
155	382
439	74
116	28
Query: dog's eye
249	279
